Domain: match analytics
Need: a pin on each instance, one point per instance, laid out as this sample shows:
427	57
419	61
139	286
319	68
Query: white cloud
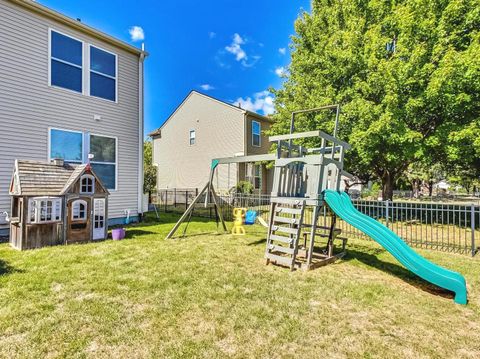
207	87
212	35
136	33
236	49
280	71
259	102
282	50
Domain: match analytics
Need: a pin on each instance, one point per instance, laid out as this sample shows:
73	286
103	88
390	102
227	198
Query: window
45	209
103	74
257	177
87	184
256	130
66	62
79	210
254	175
67	145
104	163
192	137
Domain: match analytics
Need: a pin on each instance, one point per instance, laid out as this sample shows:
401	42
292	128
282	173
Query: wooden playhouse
56	203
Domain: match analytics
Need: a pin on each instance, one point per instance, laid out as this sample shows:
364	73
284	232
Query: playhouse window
79	210
256	130
45	209
87	184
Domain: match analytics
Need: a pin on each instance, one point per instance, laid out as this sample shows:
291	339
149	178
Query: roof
77	25
157	132
35	178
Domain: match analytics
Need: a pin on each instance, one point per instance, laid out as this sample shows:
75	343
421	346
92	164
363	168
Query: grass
211	296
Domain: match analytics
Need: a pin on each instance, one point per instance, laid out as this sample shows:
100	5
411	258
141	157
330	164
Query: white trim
85	216
259	135
108	163
92	178
89	70
101	230
65	62
49	143
141	133
54	200
190	137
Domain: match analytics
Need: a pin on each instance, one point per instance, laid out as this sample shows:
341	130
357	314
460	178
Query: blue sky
232	50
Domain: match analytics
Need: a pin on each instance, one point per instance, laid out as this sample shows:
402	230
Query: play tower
305	180
301	174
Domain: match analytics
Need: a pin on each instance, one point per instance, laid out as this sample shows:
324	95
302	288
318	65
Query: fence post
175	197
386	209
186	200
166	200
472	225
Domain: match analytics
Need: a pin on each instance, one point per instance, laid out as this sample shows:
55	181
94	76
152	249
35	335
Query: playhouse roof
35	178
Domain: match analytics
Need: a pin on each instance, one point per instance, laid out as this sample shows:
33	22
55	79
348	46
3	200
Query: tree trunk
430	188
387	186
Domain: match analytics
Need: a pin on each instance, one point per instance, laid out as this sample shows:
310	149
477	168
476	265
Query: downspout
140	131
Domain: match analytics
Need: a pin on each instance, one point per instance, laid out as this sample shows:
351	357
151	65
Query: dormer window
87	184
79	210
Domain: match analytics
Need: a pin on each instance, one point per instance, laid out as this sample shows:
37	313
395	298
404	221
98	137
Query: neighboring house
68	91
203	128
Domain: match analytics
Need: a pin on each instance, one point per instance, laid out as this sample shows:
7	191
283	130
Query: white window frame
50	30
84	151
190	137
108	163
87	177
259	134
56	209
101	74
49	149
79	202
259	167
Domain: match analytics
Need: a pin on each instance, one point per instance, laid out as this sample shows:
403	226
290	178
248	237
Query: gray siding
29	106
219	133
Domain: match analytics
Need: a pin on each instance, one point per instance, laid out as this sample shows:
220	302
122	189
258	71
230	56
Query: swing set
301	174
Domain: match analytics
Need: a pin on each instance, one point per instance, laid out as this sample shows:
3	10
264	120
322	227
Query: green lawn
211	296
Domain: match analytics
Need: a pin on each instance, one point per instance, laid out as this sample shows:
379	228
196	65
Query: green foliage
372	192
149	170
244	187
419	102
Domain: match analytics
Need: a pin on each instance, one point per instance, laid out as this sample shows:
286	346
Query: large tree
405	72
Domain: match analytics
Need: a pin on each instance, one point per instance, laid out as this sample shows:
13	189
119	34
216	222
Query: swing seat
250	217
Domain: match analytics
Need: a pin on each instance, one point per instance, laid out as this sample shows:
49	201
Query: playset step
284	231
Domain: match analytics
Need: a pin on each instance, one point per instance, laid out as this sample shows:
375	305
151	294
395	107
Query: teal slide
341	204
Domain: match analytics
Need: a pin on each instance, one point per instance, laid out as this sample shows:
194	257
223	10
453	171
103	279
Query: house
72	92
56	203
203	128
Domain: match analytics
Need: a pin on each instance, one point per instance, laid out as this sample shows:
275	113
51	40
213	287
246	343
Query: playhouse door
99	218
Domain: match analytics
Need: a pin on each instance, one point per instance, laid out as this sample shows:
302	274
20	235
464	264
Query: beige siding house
70	91
203	128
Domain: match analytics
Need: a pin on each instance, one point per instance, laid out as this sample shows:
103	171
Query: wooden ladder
284	230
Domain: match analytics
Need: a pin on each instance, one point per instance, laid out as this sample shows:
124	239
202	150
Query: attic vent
58	162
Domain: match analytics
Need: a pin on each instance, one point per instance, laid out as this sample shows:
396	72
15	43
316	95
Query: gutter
140	130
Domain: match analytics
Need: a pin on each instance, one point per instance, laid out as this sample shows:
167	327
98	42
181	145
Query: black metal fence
438	226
